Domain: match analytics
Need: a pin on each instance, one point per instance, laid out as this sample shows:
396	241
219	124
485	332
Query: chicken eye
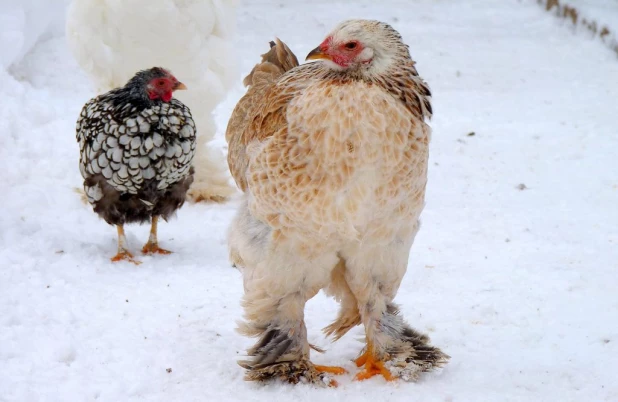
161	83
350	45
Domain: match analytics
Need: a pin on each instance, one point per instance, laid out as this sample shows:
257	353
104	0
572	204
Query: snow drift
23	23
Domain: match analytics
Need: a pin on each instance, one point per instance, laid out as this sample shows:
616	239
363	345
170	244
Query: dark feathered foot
407	359
407	353
284	355
415	355
302	371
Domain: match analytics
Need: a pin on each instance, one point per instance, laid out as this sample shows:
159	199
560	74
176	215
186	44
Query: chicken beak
317	54
179	86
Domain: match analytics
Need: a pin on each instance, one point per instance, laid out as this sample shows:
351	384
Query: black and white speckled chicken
137	145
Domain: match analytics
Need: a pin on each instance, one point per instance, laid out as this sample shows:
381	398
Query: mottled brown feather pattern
333	160
261	112
275	62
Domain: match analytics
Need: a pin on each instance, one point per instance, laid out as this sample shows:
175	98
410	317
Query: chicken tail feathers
275	62
264	76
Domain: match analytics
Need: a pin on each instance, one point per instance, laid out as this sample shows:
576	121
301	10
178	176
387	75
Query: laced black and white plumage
137	146
130	144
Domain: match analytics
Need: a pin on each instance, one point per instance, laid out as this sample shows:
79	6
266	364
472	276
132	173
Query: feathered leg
278	280
123	253
348	316
274	306
152	246
393	349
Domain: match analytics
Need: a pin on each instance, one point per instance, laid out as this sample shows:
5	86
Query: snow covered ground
518	286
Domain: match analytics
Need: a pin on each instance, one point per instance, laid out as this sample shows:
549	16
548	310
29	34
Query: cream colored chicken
332	158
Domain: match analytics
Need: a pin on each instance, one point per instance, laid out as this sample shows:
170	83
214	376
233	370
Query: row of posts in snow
571	14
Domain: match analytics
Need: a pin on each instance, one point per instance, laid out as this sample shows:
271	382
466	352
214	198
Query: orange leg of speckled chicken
123	253
152	246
